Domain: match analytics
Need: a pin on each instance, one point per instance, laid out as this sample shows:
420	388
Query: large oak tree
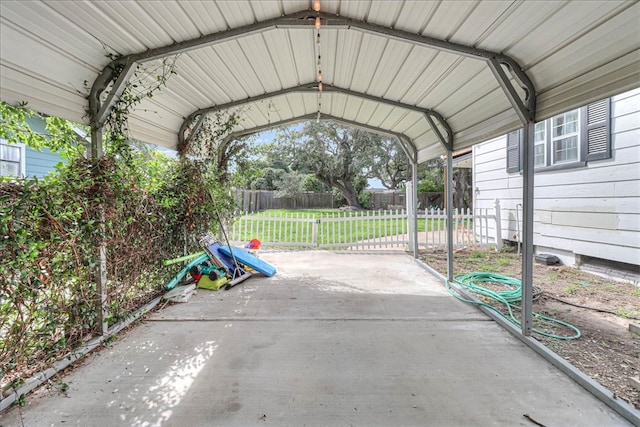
336	155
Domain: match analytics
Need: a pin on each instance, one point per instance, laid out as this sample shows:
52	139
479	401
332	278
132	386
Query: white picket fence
479	228
365	230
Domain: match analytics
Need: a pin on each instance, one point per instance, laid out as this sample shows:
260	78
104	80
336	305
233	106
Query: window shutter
598	130
514	142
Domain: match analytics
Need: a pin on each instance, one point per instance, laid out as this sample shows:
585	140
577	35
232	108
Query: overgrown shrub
141	209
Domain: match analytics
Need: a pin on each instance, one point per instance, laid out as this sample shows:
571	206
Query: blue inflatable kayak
245	258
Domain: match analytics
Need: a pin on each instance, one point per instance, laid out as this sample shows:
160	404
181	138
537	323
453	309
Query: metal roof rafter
305	19
197	116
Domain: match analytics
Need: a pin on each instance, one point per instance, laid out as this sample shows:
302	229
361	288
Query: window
567	140
11	159
540	145
565	137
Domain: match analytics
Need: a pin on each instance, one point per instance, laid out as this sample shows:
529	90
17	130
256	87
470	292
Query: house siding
40	163
592	211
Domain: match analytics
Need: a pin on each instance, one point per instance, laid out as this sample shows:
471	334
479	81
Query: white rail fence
366	230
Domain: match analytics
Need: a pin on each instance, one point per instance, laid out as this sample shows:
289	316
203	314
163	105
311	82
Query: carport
438	76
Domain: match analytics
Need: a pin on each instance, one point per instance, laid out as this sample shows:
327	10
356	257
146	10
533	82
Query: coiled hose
509	297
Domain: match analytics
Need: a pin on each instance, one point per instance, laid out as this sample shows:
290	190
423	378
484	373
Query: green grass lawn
332	226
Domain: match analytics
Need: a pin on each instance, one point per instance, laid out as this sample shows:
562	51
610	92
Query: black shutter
597	121
514	142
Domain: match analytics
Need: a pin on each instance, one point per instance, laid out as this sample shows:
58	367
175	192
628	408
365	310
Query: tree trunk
350	195
347	190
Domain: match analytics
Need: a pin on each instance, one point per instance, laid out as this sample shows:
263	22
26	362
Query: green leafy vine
138	202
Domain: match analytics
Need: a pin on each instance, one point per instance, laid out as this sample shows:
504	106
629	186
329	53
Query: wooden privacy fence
386	199
261	200
365	229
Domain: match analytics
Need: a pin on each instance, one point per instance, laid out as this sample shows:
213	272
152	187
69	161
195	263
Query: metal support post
101	286
95	149
526	110
527	203
449	201
100	297
410	215
414	195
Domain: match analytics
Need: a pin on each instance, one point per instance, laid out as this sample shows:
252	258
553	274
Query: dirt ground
607	351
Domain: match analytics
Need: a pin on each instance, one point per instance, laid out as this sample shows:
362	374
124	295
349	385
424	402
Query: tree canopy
341	157
60	135
387	162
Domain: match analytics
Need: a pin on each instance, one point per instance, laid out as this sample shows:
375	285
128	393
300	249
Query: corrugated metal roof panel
553	33
366	62
42	95
574	52
414	17
347	49
448	17
136	21
204	16
142	129
601	43
391	63
618	76
450	81
113	35
475	25
283	65
381	113
436	70
385	14
516	24
412	125
337	104
472	90
172	19
392	119
53	29
41	52
350	8
302	52
236	13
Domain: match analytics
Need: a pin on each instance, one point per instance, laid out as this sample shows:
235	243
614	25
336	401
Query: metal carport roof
439	76
434	56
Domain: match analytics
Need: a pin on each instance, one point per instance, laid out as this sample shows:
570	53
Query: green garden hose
508	297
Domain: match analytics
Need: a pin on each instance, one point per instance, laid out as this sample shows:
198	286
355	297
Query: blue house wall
40	163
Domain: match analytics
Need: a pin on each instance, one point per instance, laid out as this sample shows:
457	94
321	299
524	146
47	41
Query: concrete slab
332	339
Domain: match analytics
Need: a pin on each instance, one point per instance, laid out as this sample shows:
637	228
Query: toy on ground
236	272
196	259
209	276
249	260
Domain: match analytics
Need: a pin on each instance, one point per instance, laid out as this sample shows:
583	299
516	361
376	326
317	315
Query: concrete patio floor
332	339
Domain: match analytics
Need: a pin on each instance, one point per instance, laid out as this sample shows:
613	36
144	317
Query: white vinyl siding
592	210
